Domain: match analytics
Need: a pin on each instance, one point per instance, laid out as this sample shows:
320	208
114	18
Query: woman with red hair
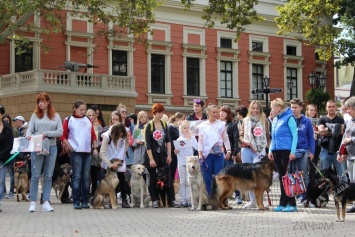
46	122
158	152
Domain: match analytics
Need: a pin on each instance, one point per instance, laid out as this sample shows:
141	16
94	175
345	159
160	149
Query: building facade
181	61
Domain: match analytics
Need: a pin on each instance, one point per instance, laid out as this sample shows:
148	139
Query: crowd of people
217	135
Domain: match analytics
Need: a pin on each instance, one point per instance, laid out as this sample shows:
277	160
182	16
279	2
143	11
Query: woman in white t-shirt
212	135
114	146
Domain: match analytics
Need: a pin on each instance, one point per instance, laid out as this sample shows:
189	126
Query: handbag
293	183
342	149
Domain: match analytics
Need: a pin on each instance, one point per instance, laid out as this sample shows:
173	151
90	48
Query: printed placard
138	135
22	144
184	147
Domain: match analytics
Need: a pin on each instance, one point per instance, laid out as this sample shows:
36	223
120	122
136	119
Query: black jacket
6	142
233	134
191	117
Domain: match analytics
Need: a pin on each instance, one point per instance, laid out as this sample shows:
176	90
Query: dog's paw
142	206
114	208
191	209
263	208
339	220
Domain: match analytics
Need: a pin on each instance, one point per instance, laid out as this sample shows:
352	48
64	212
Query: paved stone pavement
15	220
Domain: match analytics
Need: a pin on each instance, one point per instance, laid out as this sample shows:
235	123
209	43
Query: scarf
255	133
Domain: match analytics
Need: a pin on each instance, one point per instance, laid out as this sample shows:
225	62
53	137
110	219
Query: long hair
308	108
95	122
118	114
261	114
100	117
50	109
140	115
118	131
227	110
177	115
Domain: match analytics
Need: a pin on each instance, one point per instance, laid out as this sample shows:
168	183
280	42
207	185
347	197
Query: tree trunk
352	90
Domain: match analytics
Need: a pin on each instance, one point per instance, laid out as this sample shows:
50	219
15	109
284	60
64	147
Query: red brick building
182	61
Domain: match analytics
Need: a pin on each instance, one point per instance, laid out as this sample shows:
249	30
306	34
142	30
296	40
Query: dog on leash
59	182
22	184
139	193
163	183
198	192
343	192
317	194
107	187
243	177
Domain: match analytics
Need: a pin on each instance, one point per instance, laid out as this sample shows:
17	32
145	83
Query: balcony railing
67	82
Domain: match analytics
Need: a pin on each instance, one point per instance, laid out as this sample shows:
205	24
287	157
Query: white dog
139	187
199	196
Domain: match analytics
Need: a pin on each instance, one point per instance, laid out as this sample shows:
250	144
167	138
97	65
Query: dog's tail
214	199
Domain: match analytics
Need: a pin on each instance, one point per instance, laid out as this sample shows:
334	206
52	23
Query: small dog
317	194
22	184
107	187
139	191
343	192
198	192
59	182
163	184
243	177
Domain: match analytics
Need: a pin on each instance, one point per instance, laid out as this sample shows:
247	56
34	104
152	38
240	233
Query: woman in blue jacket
284	134
305	142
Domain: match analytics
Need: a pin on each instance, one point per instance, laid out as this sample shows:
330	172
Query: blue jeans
2	179
48	163
302	165
211	165
326	161
80	164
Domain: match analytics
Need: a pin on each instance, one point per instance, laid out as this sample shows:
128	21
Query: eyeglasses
123	111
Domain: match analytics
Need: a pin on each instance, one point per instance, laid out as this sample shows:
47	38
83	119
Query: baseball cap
19	118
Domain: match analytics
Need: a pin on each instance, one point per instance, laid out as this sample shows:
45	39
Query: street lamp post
266	91
317	81
289	86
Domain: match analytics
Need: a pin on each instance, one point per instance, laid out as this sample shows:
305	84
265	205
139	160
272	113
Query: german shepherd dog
140	197
343	192
107	187
22	183
242	177
59	182
198	192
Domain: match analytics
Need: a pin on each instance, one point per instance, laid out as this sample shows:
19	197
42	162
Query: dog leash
10	159
320	173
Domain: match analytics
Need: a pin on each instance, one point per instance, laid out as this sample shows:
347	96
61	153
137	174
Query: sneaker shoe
46	207
125	204
289	209
9	195
311	205
184	204
155	204
85	205
251	204
174	204
77	205
279	208
32	207
239	200
351	210
66	200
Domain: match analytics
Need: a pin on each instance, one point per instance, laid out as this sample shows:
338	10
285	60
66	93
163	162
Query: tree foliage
235	14
132	17
318	97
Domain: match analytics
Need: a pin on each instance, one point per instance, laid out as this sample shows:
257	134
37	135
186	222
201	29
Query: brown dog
242	177
107	187
60	182
22	184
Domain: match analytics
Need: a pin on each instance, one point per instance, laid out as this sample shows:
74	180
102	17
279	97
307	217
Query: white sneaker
47	207
32	207
251	204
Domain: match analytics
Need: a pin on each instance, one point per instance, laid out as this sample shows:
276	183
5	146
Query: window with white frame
257	80
257	46
226	43
24	58
226	79
119	62
292	90
157	73
193	76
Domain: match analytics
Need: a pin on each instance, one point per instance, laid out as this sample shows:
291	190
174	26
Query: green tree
312	22
235	14
129	16
317	97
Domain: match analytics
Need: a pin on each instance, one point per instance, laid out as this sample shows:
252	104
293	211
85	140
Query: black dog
163	184
317	194
343	192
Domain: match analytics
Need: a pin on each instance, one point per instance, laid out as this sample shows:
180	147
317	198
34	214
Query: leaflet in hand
22	144
138	135
184	147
